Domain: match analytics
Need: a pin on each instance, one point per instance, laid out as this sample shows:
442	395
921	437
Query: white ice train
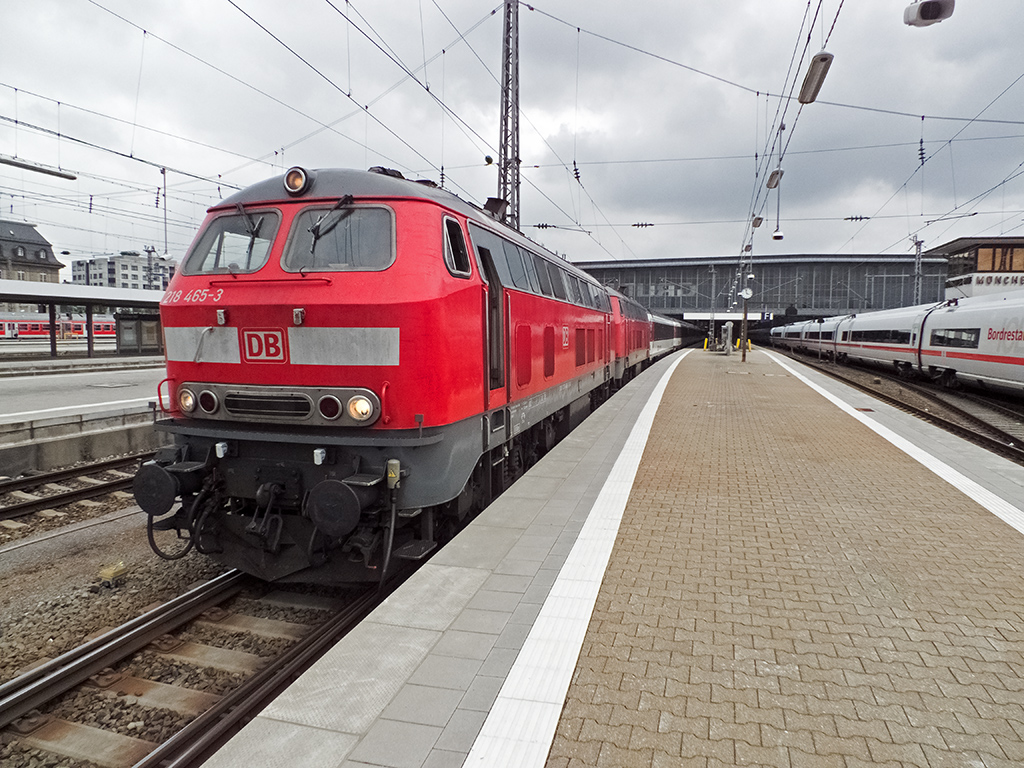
978	340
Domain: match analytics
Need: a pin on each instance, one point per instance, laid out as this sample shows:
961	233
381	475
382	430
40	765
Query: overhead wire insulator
920	149
575	170
641	225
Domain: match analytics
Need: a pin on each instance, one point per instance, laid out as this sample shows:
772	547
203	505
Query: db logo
265	345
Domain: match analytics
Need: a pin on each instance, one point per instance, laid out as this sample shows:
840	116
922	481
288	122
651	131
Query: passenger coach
977	340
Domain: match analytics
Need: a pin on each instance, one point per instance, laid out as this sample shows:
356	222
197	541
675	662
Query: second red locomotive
357	362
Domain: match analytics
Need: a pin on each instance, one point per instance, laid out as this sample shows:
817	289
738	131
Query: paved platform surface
796	581
790	589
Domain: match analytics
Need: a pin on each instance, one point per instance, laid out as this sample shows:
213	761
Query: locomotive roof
338	182
332	183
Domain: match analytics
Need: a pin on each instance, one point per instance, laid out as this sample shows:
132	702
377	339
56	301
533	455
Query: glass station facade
804	285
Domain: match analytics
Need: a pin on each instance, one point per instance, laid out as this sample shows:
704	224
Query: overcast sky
661	106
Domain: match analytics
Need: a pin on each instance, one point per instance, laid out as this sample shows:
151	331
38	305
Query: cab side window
456	256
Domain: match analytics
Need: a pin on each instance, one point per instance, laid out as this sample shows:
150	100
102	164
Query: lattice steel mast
508	152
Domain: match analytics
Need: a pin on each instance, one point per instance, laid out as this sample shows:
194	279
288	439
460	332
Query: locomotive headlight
208	401
329	406
186	400
360	408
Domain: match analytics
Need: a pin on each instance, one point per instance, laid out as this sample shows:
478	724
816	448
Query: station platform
729	563
13	365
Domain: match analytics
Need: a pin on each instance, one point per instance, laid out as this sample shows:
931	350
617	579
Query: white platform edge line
84	408
995	504
521	725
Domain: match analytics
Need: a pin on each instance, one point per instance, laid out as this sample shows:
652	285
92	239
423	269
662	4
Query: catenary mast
508	152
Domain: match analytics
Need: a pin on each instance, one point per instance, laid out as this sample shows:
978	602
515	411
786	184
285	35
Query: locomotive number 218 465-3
196	296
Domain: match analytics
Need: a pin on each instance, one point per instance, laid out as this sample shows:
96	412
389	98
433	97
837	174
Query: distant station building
26	255
980	265
809	285
129	269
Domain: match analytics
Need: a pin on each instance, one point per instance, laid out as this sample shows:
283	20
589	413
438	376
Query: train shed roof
28	292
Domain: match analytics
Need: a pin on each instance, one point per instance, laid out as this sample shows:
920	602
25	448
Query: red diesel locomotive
357	362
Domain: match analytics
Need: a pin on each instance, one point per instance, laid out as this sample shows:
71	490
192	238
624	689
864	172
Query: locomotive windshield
342	239
236	243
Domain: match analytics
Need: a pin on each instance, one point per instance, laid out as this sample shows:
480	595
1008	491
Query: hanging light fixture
926	12
28	165
815	77
777	234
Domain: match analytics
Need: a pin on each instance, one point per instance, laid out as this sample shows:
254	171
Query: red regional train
34	326
357	363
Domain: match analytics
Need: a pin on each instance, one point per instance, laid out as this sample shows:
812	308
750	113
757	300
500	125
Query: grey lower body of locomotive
257	500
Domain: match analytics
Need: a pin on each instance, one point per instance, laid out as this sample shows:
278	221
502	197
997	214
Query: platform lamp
923	13
815	77
773	183
745	294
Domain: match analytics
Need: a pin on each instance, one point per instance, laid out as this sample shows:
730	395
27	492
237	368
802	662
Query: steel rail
33	481
999	406
198	740
37	686
996	434
23	508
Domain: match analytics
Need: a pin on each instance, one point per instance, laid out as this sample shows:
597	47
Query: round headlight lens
360	408
330	407
187	400
208	401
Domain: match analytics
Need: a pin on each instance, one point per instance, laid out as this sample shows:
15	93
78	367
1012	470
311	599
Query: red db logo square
264	345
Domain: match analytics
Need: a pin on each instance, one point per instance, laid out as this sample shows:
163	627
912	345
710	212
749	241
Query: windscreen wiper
252	228
320	229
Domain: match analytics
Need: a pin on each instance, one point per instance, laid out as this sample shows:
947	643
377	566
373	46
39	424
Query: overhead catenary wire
138	91
330	82
523	115
359	110
122	121
234	78
384	48
746	158
917	169
112	151
581	164
779	122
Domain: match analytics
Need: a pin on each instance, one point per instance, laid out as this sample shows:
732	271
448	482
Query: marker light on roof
297	181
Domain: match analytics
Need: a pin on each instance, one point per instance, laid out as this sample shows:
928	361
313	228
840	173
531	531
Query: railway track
35	707
984	421
1007	416
47	493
